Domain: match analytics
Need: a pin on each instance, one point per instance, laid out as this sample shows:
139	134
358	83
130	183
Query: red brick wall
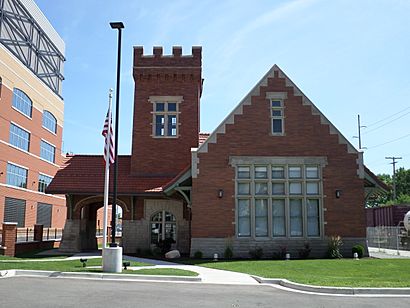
32	162
159	75
250	136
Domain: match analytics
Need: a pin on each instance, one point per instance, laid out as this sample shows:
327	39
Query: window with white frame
49	121
43	182
275	200
277	117
165	120
47	151
16	175
22	102
19	137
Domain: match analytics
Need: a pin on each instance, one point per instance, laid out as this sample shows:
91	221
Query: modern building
31	115
275	173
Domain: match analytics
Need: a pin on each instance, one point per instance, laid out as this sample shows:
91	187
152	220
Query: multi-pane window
19	137
163	227
277	117
47	151
165	119
16	176
49	121
278	200
43	182
22	102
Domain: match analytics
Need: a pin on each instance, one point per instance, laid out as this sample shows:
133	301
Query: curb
102	276
334	290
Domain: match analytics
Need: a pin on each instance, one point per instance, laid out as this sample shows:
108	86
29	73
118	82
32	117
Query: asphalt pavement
56	292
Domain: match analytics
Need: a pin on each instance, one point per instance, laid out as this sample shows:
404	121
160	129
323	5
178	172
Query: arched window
49	121
163	227
22	102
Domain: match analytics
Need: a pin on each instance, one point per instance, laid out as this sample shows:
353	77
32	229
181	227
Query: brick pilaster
9	238
38	233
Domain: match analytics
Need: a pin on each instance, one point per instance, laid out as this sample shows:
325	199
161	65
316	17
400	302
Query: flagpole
107	172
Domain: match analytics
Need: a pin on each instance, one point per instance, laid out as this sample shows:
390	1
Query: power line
390	141
386	118
376	128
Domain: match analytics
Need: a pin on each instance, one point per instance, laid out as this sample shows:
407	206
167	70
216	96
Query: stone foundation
241	247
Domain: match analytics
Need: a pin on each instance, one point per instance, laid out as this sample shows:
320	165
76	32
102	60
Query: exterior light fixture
126	264
215	257
287	256
84	262
220	193
338	193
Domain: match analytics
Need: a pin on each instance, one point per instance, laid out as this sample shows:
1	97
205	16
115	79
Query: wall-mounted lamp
220	193
338	193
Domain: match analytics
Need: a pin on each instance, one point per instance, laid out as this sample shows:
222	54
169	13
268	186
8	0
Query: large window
44	214
275	200
49	121
19	137
43	182
165	119
15	211
163	228
277	117
22	102
16	176
47	151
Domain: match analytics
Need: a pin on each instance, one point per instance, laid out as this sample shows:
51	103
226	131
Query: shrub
281	254
156	252
228	253
305	251
256	253
359	249
198	254
333	252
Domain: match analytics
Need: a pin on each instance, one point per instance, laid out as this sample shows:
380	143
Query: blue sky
348	57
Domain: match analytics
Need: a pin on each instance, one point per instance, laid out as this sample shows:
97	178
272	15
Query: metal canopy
24	38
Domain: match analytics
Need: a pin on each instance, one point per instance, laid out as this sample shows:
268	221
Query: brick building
274	173
31	115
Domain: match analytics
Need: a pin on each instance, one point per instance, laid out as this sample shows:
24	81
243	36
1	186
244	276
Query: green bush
359	249
198	254
305	251
256	253
281	254
228	253
333	252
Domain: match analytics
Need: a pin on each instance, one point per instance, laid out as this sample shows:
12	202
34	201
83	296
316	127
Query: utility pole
394	162
359	130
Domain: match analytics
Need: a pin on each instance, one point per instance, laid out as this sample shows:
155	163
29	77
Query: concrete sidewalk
382	253
207	275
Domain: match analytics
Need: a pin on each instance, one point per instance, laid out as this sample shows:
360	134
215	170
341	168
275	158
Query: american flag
109	138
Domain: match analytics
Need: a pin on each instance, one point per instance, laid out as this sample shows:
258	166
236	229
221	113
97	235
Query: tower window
165	116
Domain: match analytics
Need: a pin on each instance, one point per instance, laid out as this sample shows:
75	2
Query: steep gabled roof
238	110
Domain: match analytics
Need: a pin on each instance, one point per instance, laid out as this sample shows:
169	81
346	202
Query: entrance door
163	230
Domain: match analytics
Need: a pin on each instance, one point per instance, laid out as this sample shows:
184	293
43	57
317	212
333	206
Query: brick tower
166	110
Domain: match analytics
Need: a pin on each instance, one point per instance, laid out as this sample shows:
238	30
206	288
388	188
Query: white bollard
112	259
287	256
215	257
355	256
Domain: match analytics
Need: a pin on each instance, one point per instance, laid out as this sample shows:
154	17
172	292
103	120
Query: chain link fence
388	238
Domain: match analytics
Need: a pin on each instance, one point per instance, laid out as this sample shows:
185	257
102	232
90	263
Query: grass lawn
60	266
341	273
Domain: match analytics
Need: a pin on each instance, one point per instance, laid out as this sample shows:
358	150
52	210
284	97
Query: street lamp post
119	26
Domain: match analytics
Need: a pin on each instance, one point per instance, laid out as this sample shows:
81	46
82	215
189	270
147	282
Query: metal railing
381	237
52	234
24	235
